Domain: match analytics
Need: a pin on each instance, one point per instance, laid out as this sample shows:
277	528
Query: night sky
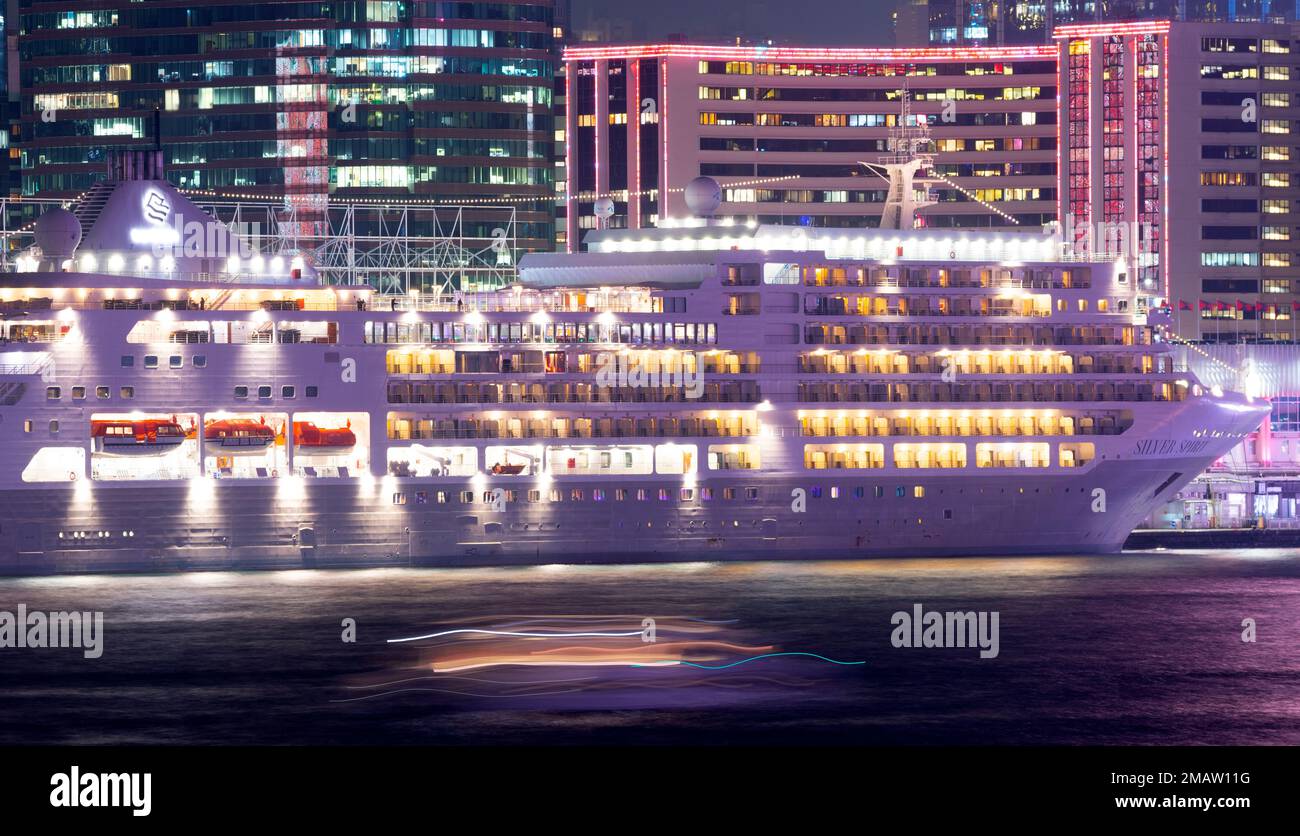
809	22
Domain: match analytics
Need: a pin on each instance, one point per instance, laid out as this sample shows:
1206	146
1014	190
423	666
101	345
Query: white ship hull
235	524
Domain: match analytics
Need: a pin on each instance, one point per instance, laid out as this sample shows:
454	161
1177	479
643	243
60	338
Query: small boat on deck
311	440
237	437
146	437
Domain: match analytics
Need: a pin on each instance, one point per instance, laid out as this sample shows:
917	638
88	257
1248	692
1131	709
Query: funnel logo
156	208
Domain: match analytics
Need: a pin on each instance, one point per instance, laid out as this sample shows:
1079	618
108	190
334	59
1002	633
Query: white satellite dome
604	208
703	196
57	232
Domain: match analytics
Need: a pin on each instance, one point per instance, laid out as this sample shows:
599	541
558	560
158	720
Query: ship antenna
908	154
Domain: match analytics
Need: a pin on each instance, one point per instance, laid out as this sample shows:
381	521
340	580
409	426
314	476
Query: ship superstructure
715	391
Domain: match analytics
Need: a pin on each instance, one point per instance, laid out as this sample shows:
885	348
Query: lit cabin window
78	393
54	426
101	392
53	393
127	392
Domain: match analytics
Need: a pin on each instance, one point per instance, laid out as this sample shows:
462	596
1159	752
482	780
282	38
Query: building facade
305	101
1179	152
785	132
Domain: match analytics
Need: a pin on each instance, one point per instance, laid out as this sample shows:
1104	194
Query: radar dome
604	208
57	232
703	196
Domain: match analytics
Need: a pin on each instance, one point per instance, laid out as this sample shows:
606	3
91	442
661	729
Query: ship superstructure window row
1004	361
973	335
636	333
989	392
1038	305
540	393
946	455
962	423
729	425
447	361
1028	278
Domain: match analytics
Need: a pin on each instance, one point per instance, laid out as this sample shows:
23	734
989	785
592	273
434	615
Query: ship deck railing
23	368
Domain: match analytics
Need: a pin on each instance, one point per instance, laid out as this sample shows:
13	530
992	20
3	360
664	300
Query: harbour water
1138	648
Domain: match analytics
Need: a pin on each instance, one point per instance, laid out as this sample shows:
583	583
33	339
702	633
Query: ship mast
909	145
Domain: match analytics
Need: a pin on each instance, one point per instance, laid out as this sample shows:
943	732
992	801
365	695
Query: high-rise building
9	183
939	22
786	132
1179	150
408	100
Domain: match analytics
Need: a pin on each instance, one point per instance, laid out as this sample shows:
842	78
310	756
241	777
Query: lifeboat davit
311	440
147	437
237	437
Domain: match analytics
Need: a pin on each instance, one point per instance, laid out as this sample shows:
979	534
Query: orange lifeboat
146	437
237	437
311	440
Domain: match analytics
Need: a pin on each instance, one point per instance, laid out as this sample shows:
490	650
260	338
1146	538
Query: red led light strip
1164	180
1092	30
1062	176
661	210
570	144
767	53
634	125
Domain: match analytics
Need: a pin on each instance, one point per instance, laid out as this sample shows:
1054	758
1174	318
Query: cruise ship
708	391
